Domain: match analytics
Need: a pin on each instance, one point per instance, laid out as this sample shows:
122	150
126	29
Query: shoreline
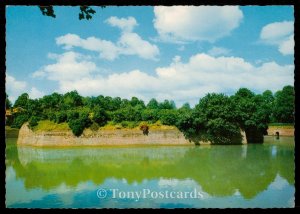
171	137
115	138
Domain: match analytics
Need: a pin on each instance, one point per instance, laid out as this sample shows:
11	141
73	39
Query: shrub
72	115
19	120
94	127
145	128
33	121
100	116
61	117
76	126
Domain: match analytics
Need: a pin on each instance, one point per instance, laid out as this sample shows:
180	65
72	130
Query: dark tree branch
86	12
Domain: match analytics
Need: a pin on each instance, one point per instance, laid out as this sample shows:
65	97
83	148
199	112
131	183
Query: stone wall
101	138
119	137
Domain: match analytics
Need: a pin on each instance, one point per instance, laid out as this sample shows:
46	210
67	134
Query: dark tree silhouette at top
86	12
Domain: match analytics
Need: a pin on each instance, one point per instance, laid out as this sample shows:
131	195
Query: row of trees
217	118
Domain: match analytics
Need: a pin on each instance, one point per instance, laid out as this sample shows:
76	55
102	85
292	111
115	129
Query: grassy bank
281	125
47	125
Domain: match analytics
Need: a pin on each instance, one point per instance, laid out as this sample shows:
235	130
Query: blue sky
177	53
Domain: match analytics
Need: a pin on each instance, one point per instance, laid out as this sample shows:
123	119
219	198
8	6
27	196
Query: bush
124	124
145	128
129	124
61	117
168	117
79	124
100	116
150	115
51	116
76	126
94	127
72	115
33	121
19	120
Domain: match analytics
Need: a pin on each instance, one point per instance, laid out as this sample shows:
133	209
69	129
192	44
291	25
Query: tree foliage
212	120
284	105
217	118
8	104
86	12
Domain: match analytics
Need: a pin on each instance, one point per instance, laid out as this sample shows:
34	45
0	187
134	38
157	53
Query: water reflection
227	176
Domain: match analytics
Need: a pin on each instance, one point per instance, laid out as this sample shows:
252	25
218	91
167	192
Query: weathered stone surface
118	137
101	138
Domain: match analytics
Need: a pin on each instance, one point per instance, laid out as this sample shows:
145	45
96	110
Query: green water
224	176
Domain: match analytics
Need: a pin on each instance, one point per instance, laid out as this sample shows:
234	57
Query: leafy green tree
78	122
252	114
211	120
52	102
76	126
33	121
124	103
186	106
135	101
72	115
72	99
19	120
61	117
150	115
168	116
51	116
8	104
33	108
116	103
100	116
22	101
166	104
153	104
86	12
284	105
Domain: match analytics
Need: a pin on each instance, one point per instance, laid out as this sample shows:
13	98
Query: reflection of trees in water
220	170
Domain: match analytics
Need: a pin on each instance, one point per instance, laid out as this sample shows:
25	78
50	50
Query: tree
78	122
284	105
166	104
135	101
72	99
150	115
61	117
153	104
100	116
19	120
186	106
168	116
52	101
8	104
86	12
212	120
22	101
33	121
252	114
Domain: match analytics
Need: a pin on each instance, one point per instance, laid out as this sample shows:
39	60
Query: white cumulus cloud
280	34
218	51
14	87
69	66
179	81
35	93
196	23
122	23
129	43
